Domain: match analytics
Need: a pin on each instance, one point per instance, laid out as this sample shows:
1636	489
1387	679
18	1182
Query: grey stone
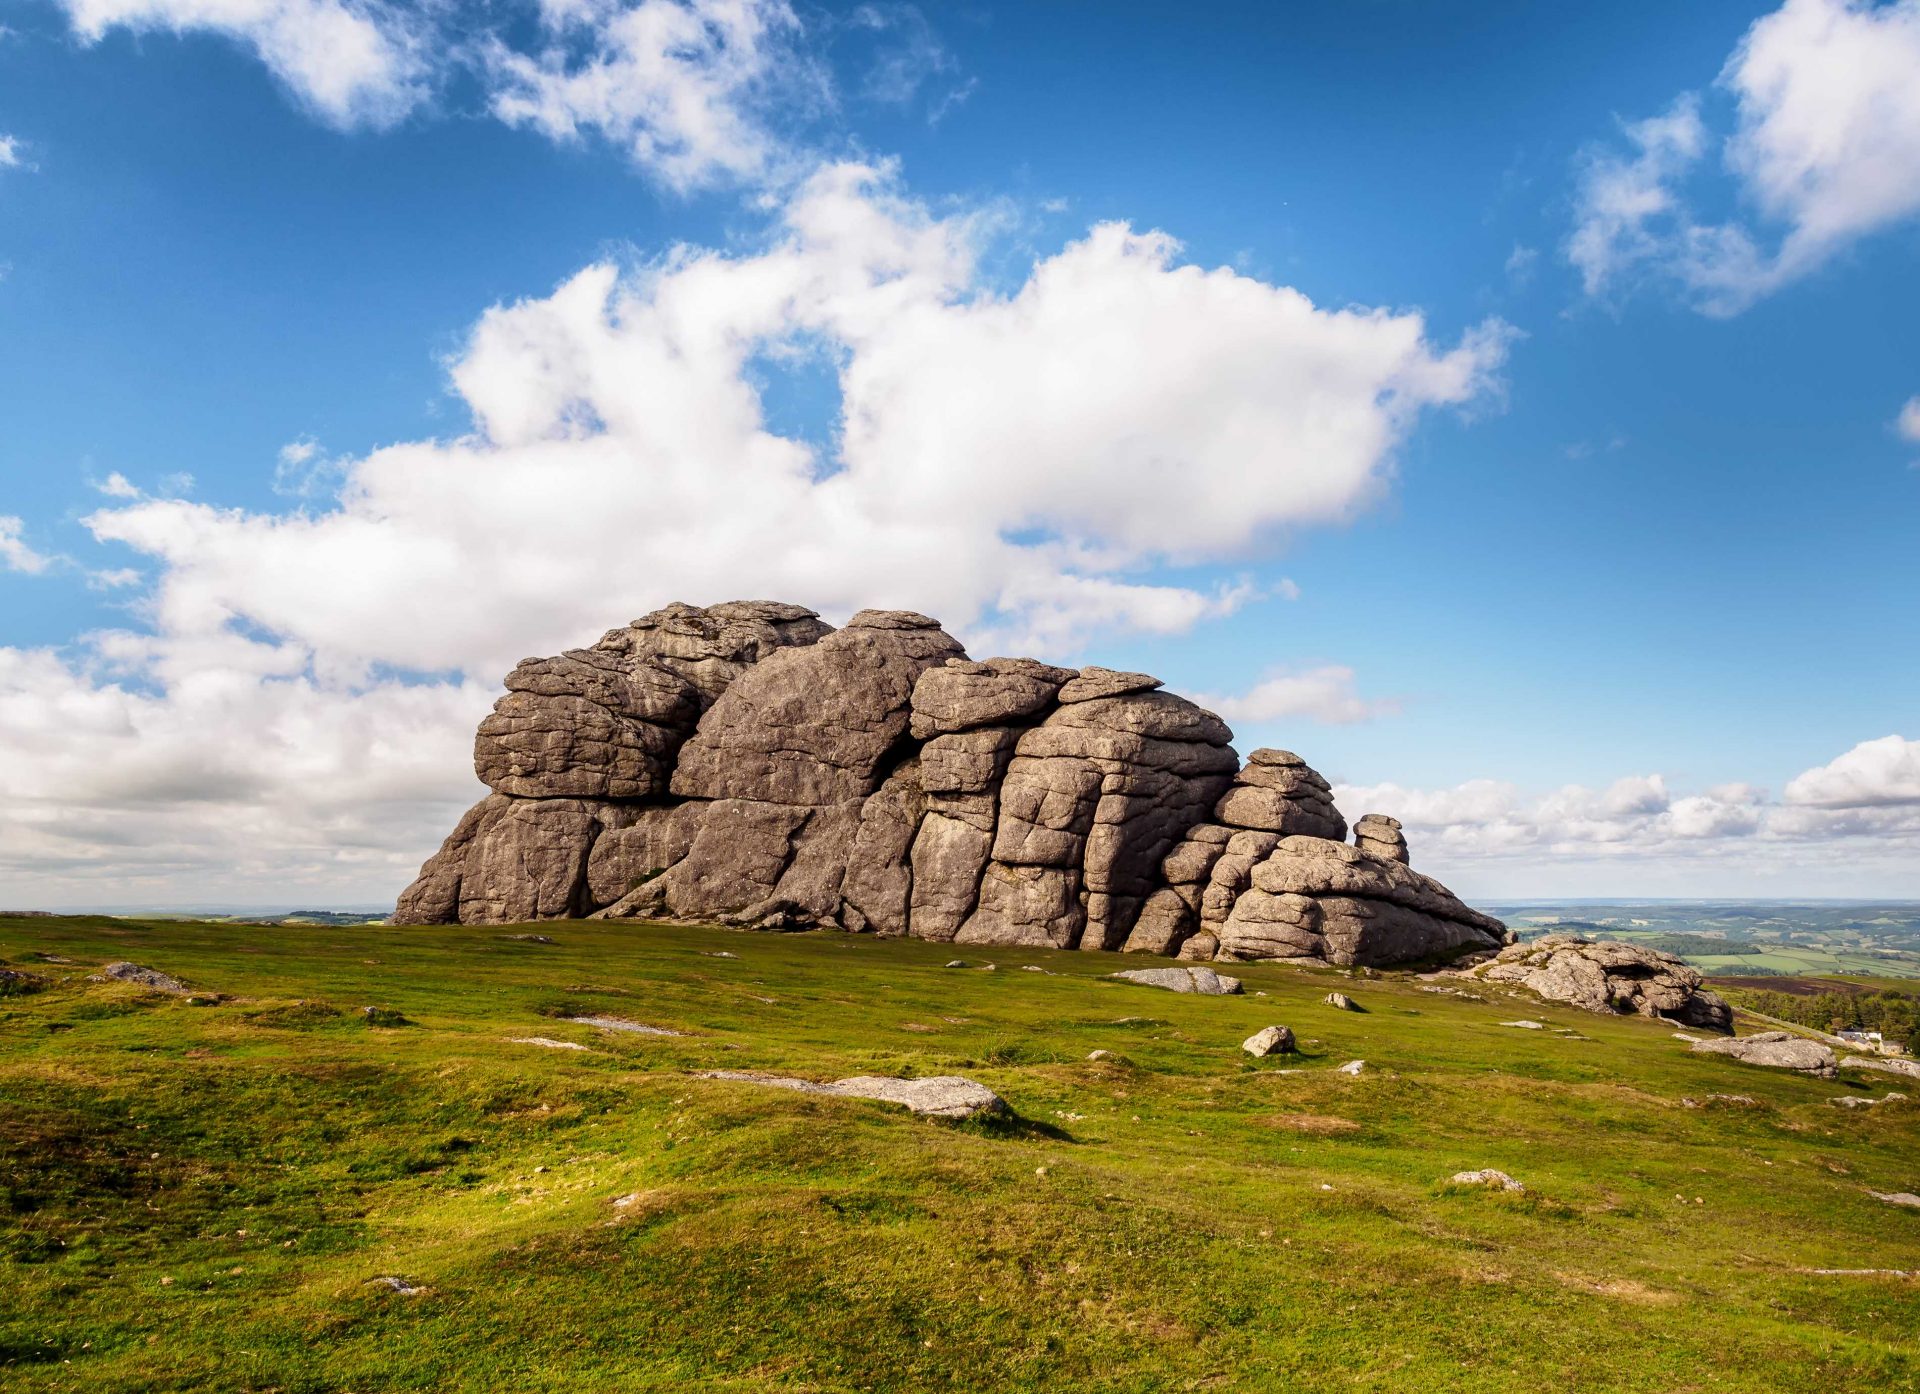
1781	1050
960	695
1608	976
941	1096
1495	1180
1887	1064
1269	1040
1092	683
1203	981
125	972
1381	836
1342	1002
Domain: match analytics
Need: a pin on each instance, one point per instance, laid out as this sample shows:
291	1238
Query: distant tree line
1893	1013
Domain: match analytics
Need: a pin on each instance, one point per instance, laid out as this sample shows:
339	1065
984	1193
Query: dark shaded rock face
748	764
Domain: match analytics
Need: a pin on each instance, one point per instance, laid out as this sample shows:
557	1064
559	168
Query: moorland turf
209	1197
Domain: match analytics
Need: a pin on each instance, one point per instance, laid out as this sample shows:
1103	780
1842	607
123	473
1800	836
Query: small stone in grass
1498	1180
1270	1040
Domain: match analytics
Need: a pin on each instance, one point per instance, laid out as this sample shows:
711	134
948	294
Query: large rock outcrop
747	763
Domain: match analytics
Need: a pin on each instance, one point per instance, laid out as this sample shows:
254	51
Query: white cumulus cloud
15	554
352	62
1907	423
1325	694
679	85
1825	150
1874	774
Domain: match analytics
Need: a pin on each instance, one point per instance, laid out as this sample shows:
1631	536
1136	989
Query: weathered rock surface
143	977
1269	1040
1780	1049
1605	975
1203	981
941	1096
746	763
1890	1064
1380	836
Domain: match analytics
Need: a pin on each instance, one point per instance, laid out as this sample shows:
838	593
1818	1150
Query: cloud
1874	774
1031	464
117	486
353	63
678	85
15	554
1486	830
1015	461
1907	424
1825	150
238	779
9	152
1325	695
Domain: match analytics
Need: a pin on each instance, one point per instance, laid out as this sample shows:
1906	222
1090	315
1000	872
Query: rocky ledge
749	764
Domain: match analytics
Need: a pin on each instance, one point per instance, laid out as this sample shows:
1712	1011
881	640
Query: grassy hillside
209	1197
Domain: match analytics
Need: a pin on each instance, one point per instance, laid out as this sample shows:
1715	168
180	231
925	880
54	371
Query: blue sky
1585	542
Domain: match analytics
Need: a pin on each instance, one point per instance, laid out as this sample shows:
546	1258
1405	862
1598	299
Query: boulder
1380	836
1609	976
1277	792
940	1096
1091	683
960	695
1269	1040
1780	1049
1888	1064
124	972
1488	1177
1317	899
1203	981
1339	1001
814	725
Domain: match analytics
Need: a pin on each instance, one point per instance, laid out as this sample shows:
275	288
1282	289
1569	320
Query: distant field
212	1198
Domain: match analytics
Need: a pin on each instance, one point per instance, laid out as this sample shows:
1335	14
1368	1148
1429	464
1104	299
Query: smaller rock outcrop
1339	1001
1605	975
1782	1050
1269	1040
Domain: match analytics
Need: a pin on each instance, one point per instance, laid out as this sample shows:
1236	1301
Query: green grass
204	1197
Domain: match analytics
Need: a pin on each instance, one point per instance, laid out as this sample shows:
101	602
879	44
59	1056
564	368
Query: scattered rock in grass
1498	1180
142	977
1687	1036
1036	968
14	983
1269	1040
1341	1002
1196	979
399	1285
956	963
1860	1272
1906	1198
1863	1101
546	1041
1909	1068
1526	1025
614	1023
1780	1050
383	1016
1736	1100
528	938
1101	1055
1352	1067
942	1096
718	953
